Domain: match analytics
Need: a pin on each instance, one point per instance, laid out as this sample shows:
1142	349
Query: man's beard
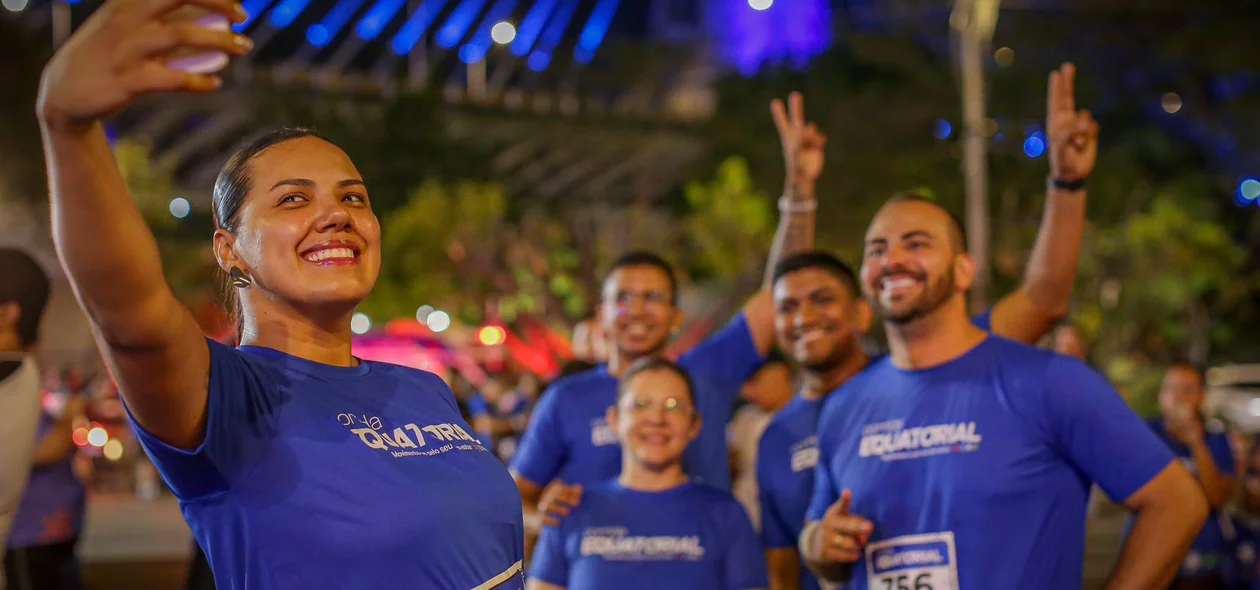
936	295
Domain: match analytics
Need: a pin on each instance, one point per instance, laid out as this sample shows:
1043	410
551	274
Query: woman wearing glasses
651	527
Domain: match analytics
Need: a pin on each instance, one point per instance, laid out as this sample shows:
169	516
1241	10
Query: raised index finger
842	505
1068	87
796	105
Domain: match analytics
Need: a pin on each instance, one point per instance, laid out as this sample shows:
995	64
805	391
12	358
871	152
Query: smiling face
912	266
655	418
305	233
819	320
637	310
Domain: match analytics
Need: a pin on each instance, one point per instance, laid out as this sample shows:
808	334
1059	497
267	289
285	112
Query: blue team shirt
1210	551
692	537
52	505
786	457
315	476
568	437
1005	434
513	406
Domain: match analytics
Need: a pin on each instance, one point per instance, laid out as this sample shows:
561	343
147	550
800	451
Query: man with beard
963	460
568	440
820	320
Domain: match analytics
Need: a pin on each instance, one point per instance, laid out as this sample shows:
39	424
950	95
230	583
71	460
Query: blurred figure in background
1205	451
499	415
1242	529
24	292
42	544
768	390
588	341
1069	341
589	347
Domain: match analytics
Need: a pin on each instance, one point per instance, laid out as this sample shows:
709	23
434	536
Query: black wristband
1068	185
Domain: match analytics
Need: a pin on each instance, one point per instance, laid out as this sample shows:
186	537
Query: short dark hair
645	258
656	363
958	228
1191	366
24	282
233	185
822	261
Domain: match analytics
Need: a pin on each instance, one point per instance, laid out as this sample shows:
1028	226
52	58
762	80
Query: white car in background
1233	393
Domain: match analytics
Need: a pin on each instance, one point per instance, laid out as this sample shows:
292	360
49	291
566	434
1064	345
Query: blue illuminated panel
532	26
480	42
379	15
322	33
792	31
541	56
286	12
254	8
407	37
457	25
595	30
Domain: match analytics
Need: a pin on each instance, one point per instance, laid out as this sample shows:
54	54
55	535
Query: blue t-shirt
1210	551
315	476
1241	569
786	457
512	406
52	506
568	437
692	537
937	458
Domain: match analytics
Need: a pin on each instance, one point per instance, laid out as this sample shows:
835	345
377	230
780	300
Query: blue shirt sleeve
543	449
729	355
477	406
549	563
745	562
1091	425
241	416
776	532
1222	454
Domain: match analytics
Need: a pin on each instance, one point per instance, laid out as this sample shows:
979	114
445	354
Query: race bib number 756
913	562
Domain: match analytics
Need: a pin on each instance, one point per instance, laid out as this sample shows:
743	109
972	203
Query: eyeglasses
671	405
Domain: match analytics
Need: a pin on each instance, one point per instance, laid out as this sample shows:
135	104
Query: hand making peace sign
1072	134
802	142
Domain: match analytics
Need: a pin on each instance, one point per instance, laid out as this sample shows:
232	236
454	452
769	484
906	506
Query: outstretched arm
151	342
1044	296
803	147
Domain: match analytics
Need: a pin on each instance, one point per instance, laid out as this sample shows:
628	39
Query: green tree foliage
729	225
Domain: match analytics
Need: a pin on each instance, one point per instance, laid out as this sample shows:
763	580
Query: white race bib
913	562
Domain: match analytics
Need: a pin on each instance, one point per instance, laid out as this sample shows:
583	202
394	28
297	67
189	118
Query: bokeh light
503	33
113	450
180	207
438	321
97	437
360	323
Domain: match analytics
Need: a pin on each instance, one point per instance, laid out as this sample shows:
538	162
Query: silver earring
238	278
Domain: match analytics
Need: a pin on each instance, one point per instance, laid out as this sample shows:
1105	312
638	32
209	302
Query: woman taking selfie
651	527
296	464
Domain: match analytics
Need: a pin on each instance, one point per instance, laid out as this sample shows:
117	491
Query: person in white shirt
23	296
768	390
